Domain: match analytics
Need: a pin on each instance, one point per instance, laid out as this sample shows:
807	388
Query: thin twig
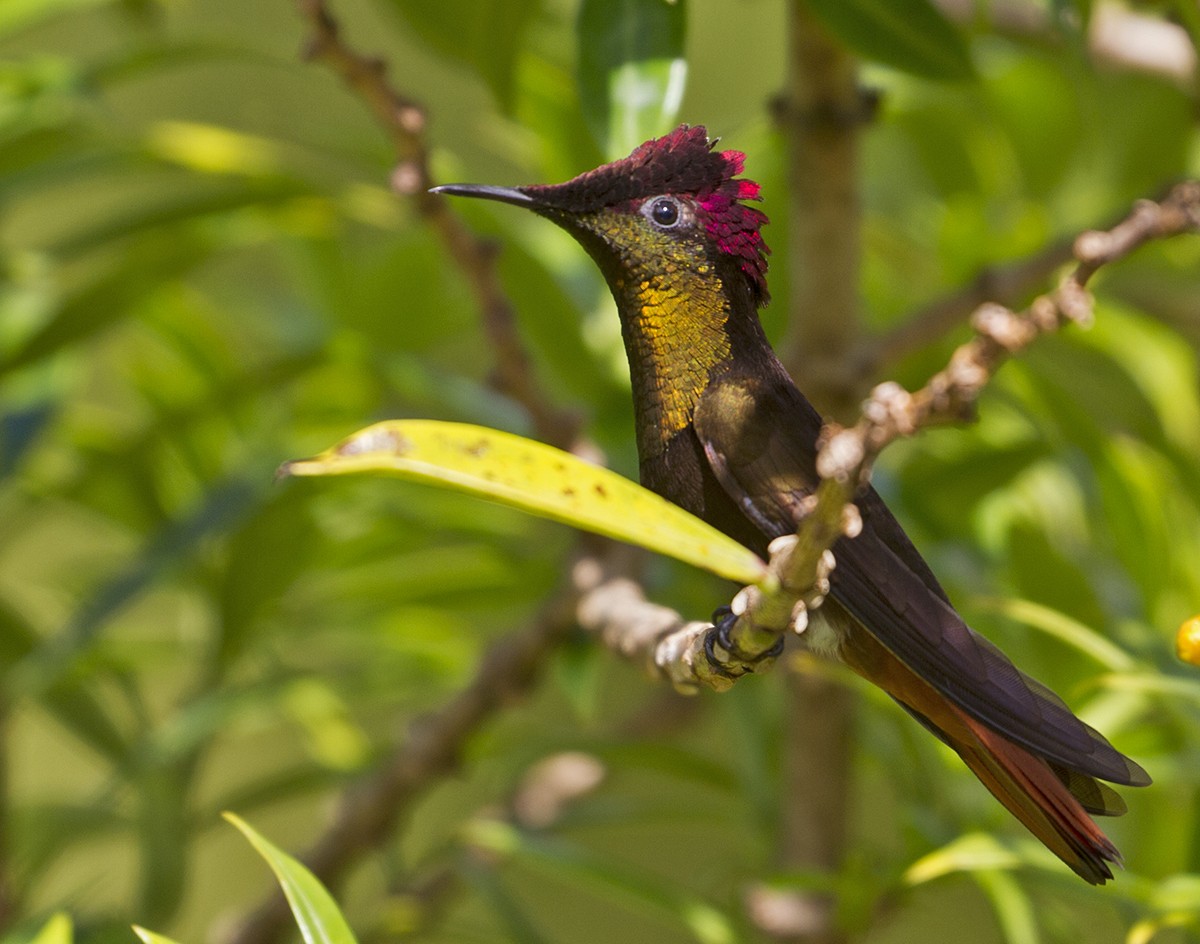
368	812
1006	284
405	121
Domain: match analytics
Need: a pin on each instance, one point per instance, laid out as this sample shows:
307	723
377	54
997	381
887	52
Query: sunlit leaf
1144	931
910	35
968	853
210	149
631	69
58	929
315	911
1171	686
1176	901
151	937
19	14
1062	627
539	479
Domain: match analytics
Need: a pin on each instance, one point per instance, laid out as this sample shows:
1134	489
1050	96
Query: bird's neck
682	326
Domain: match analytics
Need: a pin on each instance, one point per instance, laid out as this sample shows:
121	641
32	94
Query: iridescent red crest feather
682	163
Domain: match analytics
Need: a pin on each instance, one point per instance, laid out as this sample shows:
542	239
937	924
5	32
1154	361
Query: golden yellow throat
676	334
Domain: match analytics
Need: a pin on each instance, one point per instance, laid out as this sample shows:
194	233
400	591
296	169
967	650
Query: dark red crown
684	163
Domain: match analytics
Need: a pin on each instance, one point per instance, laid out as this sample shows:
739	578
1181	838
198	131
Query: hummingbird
723	432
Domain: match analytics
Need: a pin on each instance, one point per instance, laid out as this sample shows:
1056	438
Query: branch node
1003	327
407	179
1092	247
890	411
741	600
852	522
411	118
841	455
1075	302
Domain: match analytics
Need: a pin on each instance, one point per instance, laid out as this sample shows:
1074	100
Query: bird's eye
663	211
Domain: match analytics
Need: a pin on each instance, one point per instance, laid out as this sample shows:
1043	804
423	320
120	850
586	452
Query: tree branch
823	114
1005	284
405	121
685	653
369	810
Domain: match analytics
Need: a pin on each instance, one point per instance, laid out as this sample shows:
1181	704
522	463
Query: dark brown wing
759	439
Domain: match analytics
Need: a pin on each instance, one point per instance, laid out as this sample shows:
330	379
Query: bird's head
674	205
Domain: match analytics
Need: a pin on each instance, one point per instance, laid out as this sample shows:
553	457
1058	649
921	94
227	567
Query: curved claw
724	619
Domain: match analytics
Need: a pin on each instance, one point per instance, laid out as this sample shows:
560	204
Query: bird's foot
724	619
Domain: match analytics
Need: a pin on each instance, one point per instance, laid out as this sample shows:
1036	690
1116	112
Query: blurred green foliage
203	273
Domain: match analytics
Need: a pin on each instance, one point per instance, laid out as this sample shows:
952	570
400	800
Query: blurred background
204	272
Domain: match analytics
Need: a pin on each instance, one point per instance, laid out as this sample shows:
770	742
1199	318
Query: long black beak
503	194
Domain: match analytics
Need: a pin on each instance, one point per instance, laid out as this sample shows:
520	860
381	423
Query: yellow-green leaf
970	853
539	479
317	914
58	929
151	937
1062	627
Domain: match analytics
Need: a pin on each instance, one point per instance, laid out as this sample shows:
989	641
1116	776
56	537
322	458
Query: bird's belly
825	631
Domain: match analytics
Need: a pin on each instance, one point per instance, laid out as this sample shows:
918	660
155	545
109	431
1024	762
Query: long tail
1031	790
1052	802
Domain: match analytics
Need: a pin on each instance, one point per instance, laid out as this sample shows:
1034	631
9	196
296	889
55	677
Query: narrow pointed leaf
58	929
609	880
632	69
538	479
317	914
151	937
910	35
20	14
970	853
1062	627
1014	910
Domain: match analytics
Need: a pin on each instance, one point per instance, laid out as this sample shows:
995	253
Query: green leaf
58	929
483	34
16	15
161	820
67	698
970	853
111	296
317	914
48	668
909	35
1062	627
1155	683
1013	908
571	863
539	479
631	69
519	926
151	937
